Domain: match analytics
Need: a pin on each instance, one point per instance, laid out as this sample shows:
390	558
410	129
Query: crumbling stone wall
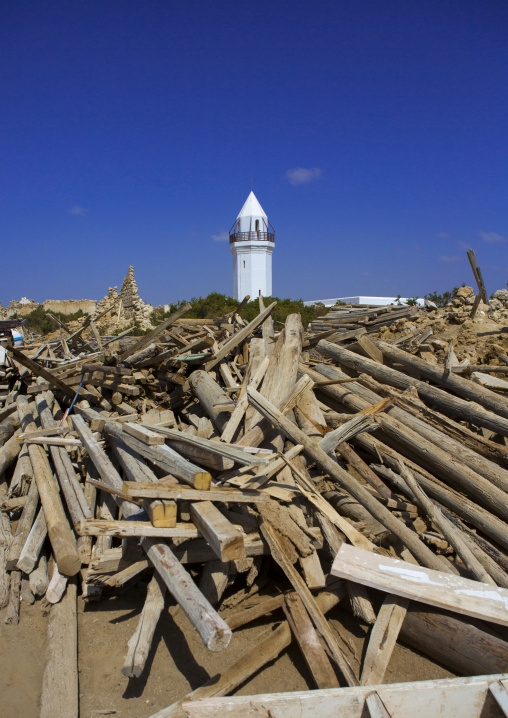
70	306
21	307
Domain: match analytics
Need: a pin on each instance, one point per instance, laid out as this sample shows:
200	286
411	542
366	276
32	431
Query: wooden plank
142	434
141	489
499	692
60	682
224	538
239	454
308	640
148	338
382	639
123	529
447	591
450	697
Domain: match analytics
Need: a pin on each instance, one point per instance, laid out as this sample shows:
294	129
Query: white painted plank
443	590
451	697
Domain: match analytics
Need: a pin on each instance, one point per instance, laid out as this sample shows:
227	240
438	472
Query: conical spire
252	208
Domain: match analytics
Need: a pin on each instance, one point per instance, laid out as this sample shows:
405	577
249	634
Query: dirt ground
177	664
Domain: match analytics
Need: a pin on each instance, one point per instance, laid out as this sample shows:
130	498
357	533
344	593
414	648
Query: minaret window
257	225
244	265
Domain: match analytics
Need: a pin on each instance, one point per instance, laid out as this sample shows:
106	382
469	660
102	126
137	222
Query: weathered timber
468	480
382	639
140	642
265	651
224	538
308	640
60	682
214	633
377	510
446	402
30	552
239	337
213	630
148	338
454	593
60	534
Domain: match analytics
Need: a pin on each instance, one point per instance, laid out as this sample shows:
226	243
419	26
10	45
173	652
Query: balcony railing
252	237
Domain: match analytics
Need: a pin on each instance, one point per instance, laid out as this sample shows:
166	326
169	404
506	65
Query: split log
141	641
210	394
24	526
60	682
5	540
30	553
12	612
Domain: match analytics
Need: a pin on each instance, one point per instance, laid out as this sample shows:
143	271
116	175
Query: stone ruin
128	305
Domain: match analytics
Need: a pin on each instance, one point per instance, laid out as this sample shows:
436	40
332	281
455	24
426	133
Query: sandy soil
178	662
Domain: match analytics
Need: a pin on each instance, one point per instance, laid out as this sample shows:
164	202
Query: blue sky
376	133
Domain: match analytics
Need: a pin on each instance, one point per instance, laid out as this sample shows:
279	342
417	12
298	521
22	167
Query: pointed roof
252	208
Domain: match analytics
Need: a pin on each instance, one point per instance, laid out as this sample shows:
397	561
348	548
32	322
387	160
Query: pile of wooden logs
257	461
361	319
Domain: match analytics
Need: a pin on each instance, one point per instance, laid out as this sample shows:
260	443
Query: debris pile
254	475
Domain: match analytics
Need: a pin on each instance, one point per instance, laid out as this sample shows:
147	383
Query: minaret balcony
252	237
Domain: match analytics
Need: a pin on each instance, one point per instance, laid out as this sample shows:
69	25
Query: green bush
39	321
217	305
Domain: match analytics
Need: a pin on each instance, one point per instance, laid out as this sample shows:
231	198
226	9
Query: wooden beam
224	538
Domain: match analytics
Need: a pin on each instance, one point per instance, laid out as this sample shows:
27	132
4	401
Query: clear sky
376	132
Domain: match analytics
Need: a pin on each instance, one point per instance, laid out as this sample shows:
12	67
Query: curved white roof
252	208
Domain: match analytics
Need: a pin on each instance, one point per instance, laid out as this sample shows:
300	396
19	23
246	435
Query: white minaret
252	240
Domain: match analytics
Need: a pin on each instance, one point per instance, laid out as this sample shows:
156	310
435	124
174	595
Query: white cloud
301	175
221	237
463	245
77	210
443	235
492	237
452	258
